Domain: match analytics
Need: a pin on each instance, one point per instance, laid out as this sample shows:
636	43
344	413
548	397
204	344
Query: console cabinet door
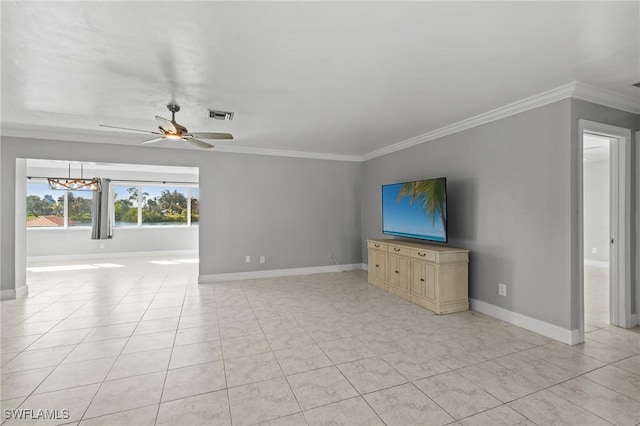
378	268
423	279
417	278
399	272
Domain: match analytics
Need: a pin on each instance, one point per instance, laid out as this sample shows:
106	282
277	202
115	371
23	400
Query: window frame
65	210
139	186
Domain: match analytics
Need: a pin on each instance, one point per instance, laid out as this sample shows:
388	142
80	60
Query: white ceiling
328	77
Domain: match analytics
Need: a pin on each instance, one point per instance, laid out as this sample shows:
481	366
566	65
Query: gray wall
508	203
512	201
596	210
296	212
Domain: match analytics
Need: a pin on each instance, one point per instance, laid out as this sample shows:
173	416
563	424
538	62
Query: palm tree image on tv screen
416	209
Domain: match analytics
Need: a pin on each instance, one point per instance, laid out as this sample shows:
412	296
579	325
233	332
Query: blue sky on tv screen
407	219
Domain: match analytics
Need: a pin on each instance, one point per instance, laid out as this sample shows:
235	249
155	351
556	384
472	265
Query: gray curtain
101	223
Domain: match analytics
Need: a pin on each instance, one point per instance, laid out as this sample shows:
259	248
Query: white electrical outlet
502	289
594	250
247	259
262	259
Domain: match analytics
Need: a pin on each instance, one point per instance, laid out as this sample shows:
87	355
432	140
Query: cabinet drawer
429	256
397	250
376	245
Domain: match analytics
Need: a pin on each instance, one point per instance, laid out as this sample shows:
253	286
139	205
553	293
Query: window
164	205
47	208
79	208
154	205
125	205
194	207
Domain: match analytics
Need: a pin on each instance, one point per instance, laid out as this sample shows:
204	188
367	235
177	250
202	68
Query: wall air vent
220	115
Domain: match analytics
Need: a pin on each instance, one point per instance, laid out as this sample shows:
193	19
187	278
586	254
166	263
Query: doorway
597	230
152	213
604	226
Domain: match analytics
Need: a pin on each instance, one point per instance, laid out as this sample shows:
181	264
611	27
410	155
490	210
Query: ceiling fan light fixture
170	129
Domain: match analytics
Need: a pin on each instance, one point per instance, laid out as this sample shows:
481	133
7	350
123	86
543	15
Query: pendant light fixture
70	184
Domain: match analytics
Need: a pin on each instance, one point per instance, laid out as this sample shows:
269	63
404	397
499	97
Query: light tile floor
596	297
144	344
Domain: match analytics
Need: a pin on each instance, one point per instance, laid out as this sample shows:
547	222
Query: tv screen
416	209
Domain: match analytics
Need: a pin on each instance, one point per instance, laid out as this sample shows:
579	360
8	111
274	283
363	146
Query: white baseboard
570	337
270	273
597	263
365	266
115	255
14	293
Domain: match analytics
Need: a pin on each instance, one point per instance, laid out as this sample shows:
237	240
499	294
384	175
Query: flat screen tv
416	209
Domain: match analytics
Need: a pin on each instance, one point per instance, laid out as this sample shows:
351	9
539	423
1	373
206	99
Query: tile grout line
123	347
55	366
279	366
188	286
175	335
224	364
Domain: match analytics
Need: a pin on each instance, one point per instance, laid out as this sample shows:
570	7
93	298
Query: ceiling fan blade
153	140
198	143
212	135
166	125
133	130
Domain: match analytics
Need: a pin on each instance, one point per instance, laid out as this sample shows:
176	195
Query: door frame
620	217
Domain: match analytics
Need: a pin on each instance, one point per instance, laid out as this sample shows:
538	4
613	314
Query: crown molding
287	153
586	92
548	97
574	90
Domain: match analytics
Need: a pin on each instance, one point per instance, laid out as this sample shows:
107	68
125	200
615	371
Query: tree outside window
44	208
125	206
195	207
80	206
155	205
165	206
47	208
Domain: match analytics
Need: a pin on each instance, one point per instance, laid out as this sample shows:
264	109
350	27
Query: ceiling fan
169	129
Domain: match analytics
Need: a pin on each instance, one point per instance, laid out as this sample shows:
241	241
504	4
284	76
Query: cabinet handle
422	254
396	249
376	266
397	272
422	279
376	245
